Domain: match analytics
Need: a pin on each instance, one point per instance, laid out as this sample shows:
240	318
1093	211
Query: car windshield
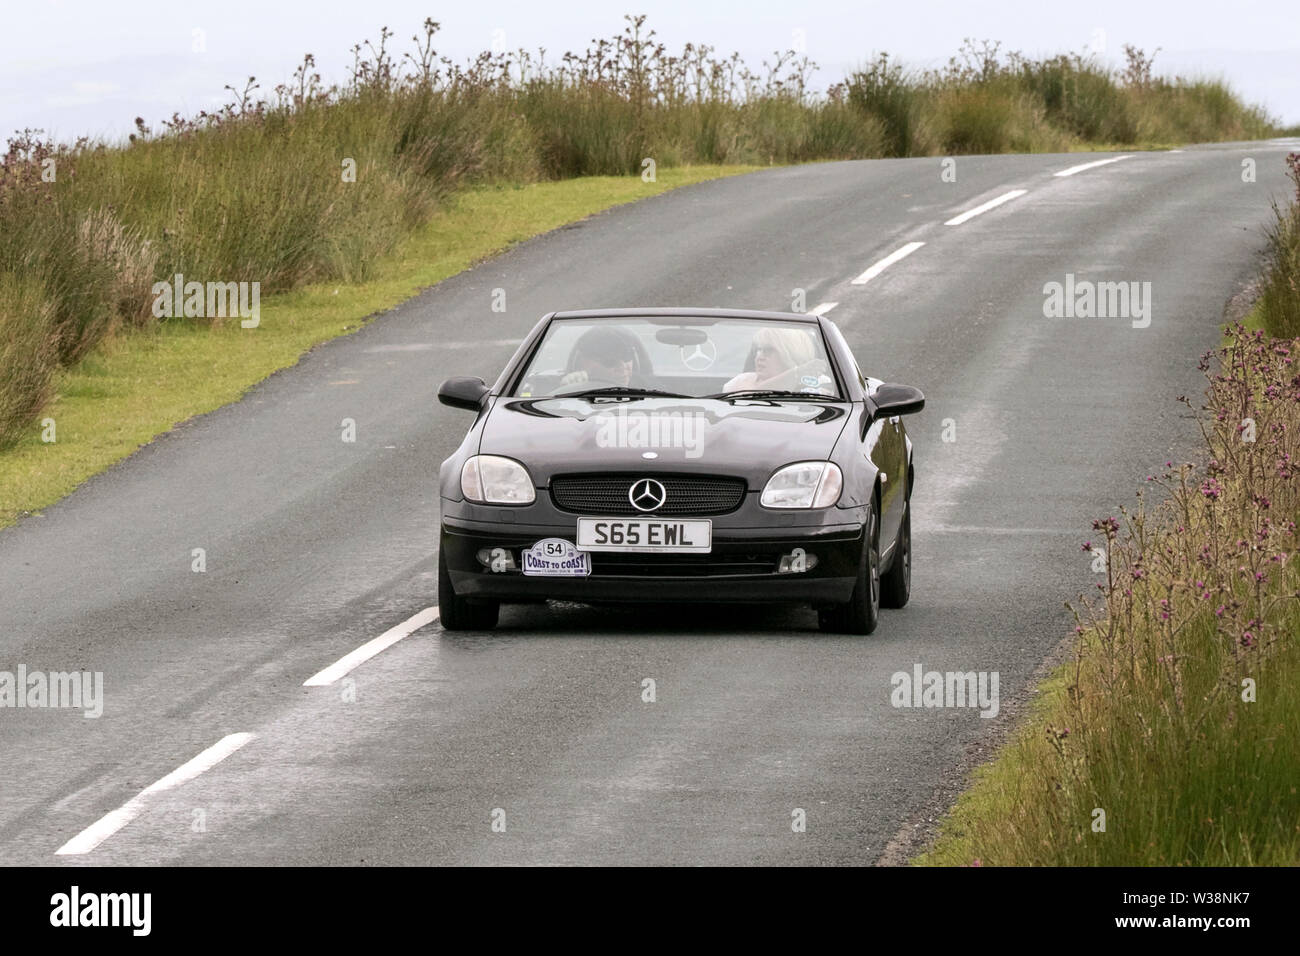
684	356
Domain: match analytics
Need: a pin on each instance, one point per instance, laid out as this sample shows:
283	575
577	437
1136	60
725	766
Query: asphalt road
315	546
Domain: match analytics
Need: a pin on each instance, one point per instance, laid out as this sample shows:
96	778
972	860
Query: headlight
490	479
805	484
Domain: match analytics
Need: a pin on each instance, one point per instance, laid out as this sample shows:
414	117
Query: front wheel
458	613
862	612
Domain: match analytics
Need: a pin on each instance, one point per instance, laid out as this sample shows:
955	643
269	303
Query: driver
601	355
784	359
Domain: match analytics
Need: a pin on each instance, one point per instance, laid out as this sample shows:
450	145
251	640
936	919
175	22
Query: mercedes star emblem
646	494
700	357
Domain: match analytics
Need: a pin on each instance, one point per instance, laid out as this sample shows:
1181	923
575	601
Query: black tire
458	613
896	583
862	612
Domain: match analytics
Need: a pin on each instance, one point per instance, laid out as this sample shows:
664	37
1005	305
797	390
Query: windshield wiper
774	393
630	390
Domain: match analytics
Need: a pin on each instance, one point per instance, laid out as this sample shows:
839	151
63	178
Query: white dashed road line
369	649
106	826
957	220
110	823
1093	165
886	262
824	308
985	207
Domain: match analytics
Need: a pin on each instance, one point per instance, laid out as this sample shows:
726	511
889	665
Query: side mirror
463	392
893	400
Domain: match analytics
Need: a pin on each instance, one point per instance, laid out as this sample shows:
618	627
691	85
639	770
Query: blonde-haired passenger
784	359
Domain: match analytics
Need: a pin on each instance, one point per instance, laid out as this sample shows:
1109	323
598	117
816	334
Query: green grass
998	787
1252	321
1229	799
134	387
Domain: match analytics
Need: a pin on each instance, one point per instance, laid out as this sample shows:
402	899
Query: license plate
644	534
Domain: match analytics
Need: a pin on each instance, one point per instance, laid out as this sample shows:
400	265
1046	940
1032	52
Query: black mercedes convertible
673	455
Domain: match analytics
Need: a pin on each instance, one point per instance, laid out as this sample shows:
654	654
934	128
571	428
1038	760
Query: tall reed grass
1279	302
310	183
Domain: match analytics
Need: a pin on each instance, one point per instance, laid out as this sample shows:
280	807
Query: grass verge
134	387
1228	800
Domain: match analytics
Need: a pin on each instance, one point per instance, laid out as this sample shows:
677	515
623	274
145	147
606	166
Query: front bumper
740	568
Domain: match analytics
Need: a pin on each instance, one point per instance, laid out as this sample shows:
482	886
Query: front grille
606	495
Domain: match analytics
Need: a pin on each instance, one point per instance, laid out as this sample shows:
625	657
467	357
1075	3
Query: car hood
746	438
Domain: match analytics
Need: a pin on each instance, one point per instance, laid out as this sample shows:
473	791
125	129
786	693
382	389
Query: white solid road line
886	262
824	308
106	826
369	649
1082	166
985	207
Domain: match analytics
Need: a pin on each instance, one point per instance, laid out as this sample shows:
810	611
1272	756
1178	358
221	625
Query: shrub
887	92
29	353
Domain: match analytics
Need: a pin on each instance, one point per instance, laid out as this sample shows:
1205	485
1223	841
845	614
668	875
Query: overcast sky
88	66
